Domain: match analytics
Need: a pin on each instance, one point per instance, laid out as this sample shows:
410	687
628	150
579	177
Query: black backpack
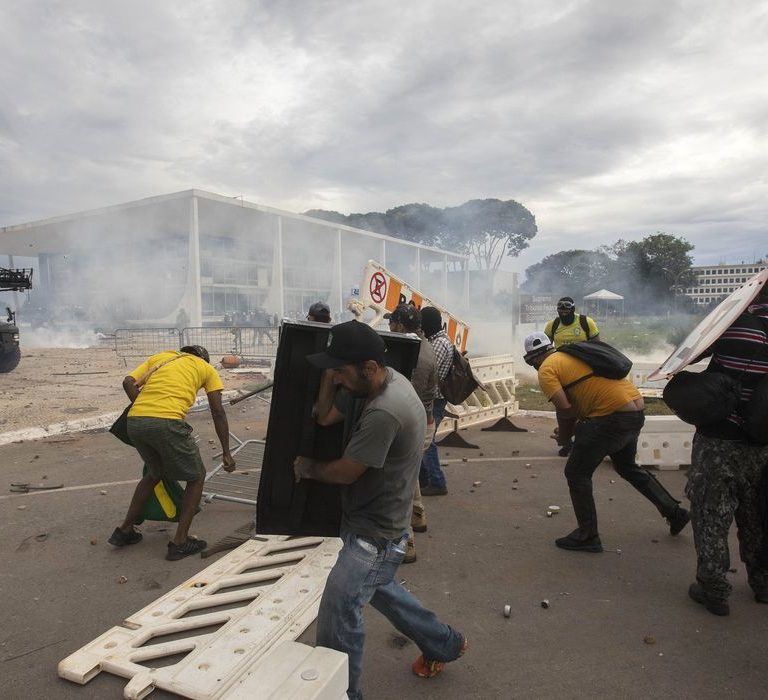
604	360
702	398
756	414
582	322
460	382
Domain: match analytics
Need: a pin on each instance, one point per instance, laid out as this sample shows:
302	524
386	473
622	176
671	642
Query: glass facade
216	258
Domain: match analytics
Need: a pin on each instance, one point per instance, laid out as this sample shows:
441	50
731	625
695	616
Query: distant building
210	256
712	283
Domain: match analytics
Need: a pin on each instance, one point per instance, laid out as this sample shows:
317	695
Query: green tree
573	273
485	229
488	229
651	272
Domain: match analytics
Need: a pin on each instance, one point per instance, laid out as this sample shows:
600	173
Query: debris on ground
545	603
648	639
123	579
507	610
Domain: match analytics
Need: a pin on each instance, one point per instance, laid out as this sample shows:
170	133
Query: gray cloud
606	120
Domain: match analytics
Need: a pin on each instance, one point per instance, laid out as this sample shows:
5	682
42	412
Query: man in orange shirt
606	416
162	390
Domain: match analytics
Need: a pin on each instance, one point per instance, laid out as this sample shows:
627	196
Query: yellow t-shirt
171	390
596	396
573	333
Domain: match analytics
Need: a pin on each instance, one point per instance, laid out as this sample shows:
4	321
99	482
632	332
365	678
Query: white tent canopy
603	295
603	303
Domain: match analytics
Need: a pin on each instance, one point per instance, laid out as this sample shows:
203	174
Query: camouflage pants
723	484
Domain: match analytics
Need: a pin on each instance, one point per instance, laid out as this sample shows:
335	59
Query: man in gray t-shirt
385	423
385	433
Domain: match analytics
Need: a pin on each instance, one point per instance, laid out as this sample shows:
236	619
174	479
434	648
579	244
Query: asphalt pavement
617	624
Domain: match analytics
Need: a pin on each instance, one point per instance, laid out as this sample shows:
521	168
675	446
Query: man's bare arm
130	388
566	417
338	471
325	412
222	428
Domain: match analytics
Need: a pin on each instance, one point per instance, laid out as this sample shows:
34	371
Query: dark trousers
614	435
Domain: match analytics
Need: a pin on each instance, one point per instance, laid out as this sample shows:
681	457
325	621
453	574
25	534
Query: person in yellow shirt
605	416
162	389
570	327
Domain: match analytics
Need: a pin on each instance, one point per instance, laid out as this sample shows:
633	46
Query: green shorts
167	448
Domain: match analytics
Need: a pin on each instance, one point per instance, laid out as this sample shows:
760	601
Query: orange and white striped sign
382	291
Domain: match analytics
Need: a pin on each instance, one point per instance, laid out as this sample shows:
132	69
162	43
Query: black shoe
190	547
120	538
761	596
717	606
431	490
577	542
565	450
680	518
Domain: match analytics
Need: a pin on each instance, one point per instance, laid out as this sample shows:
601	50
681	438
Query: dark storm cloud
606	119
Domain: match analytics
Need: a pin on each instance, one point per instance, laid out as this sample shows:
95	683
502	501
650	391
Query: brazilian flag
164	503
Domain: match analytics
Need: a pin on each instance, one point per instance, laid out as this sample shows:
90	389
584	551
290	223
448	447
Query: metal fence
244	341
143	342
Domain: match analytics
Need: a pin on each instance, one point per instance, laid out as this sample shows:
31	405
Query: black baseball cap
349	343
319	309
407	314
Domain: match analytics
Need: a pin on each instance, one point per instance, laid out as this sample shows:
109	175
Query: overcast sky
606	119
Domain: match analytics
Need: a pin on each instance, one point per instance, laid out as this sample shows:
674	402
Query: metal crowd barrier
143	342
247	342
250	342
241	485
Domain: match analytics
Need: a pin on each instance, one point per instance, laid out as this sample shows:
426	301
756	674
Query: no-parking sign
382	291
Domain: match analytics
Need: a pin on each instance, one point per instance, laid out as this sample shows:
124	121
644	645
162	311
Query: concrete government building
715	282
209	255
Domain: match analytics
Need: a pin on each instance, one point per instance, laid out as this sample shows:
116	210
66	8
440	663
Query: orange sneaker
429	669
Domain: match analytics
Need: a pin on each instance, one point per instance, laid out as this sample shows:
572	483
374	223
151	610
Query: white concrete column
194	286
277	272
383	260
466	285
340	272
417	282
445	279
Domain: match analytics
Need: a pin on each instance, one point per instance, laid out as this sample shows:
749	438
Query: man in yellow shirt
162	390
570	327
606	416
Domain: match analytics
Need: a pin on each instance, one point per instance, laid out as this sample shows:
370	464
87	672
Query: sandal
190	547
120	538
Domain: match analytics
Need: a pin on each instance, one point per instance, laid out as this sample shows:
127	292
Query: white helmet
536	344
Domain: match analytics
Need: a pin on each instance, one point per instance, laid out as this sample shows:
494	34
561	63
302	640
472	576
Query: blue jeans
364	572
430	471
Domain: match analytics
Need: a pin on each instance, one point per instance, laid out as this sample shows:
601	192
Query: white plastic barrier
665	443
497	373
275	581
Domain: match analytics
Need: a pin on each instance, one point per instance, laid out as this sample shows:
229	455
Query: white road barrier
665	443
497	373
276	581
